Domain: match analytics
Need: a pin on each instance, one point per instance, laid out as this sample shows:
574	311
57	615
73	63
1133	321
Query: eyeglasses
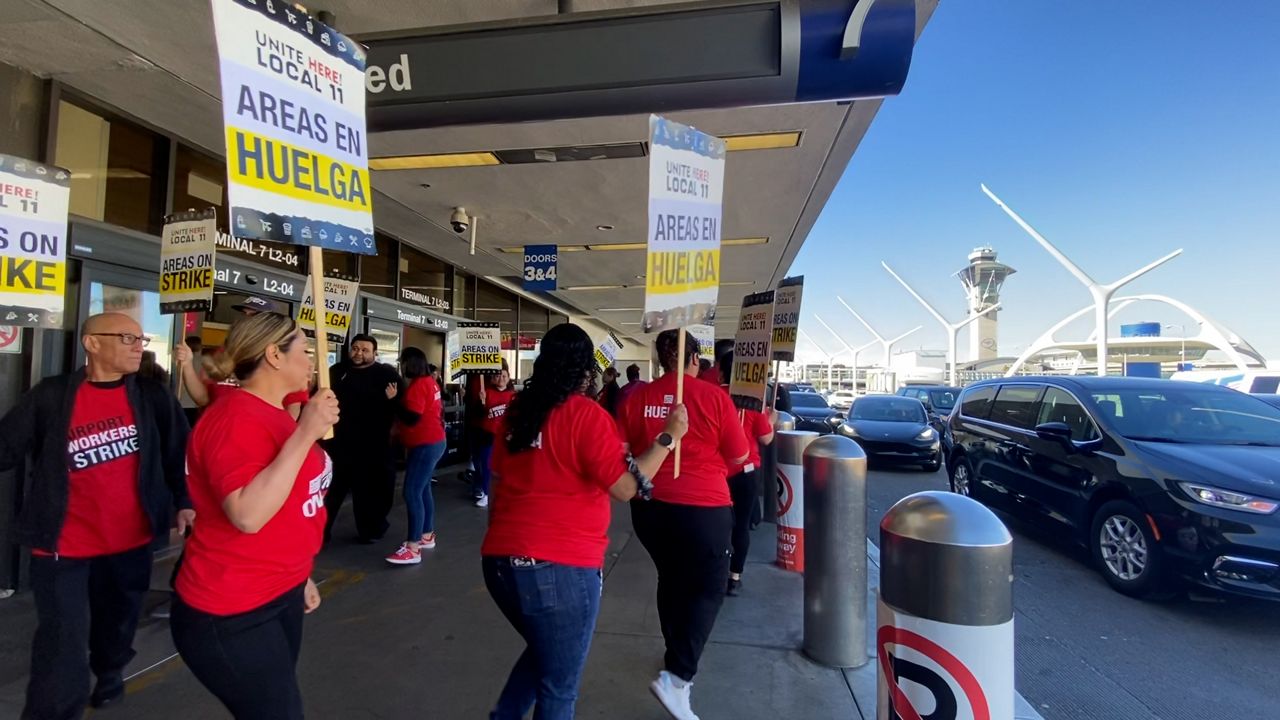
126	338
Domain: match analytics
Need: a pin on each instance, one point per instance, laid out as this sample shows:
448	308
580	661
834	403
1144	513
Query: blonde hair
247	343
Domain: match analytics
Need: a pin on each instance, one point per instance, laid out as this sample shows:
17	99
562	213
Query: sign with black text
786	318
187	267
33	242
479	348
608	351
540	267
293	104
751	351
706	335
339	304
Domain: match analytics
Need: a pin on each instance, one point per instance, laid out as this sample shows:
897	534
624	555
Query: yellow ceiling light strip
745	241
429	162
762	141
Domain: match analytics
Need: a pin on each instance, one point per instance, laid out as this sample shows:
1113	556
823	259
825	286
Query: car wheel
962	477
1126	551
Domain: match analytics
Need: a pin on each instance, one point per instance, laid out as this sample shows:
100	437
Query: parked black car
1161	479
939	401
895	430
813	413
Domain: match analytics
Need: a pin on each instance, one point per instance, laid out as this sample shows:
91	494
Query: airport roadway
1086	652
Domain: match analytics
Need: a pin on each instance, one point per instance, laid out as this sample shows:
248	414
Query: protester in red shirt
103	448
496	394
688	527
258	480
556	463
744	484
422	433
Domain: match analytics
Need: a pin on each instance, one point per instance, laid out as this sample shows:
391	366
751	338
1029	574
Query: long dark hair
565	364
413	363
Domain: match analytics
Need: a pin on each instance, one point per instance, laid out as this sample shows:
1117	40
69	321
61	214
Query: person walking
496	396
106	464
610	391
687	528
633	383
557	461
422	434
363	466
744	481
258	480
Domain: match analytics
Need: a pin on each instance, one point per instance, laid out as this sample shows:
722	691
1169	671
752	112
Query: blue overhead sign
540	267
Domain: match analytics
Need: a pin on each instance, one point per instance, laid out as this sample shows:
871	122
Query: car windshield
810	400
889	409
944	401
1190	414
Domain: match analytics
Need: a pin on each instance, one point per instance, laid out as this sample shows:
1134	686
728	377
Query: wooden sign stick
680	368
315	262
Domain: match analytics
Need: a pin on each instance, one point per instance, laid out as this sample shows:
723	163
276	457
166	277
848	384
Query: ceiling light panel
762	141
429	162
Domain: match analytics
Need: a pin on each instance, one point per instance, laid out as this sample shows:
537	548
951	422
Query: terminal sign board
33	242
293	102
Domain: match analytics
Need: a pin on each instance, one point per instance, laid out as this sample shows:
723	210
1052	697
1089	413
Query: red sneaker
405	556
428	541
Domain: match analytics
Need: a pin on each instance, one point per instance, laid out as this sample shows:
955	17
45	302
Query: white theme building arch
1239	352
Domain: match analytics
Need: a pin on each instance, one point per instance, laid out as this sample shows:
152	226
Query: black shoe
109	691
735	586
368	540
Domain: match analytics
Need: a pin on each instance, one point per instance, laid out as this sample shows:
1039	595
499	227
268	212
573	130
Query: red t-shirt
225	571
423	397
222	389
755	425
551	502
714	440
104	508
495	407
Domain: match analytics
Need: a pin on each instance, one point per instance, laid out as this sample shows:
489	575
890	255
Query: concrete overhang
155	60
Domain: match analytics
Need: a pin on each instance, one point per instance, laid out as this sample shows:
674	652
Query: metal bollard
769	470
835	552
790	496
944	620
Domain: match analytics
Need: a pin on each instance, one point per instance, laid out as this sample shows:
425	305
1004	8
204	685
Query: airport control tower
982	280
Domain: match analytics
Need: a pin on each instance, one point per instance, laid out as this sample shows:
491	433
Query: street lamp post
830	357
856	351
952	329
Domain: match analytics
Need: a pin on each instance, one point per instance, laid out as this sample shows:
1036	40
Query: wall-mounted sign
285	257
187	247
786	318
33	242
388	310
686	182
540	266
294	115
10	340
255	281
418	297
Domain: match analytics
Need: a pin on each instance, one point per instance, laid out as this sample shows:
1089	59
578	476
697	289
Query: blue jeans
417	488
483	454
554	608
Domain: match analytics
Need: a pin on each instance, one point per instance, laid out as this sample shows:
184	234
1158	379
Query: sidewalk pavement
427	642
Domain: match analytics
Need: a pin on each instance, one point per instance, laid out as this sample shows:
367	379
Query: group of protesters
255	488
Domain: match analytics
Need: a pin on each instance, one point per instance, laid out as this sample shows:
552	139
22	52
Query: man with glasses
105	452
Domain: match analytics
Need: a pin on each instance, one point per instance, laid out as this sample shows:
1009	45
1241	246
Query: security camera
459	220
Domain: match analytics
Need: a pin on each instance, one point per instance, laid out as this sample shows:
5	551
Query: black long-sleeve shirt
365	413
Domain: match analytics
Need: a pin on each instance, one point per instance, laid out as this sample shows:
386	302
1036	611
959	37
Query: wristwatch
665	440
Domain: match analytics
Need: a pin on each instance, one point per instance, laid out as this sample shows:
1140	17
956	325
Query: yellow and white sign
339	303
293	108
187	246
686	184
706	335
608	351
786	318
751	351
33	242
479	348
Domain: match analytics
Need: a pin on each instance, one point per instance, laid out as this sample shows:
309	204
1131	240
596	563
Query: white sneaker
482	501
673	693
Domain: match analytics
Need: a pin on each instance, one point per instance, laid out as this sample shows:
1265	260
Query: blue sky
1119	130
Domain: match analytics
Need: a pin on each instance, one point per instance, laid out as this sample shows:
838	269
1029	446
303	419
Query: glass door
388	337
133	293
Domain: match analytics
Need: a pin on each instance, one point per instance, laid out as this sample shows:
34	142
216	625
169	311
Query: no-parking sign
10	339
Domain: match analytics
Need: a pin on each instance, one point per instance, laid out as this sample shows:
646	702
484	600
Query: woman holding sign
557	461
495	394
687	528
257	479
743	483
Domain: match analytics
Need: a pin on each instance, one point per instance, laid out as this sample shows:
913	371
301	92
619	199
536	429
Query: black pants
90	603
247	661
690	547
369	476
745	499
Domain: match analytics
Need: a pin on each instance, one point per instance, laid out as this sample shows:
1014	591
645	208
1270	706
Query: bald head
113	342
